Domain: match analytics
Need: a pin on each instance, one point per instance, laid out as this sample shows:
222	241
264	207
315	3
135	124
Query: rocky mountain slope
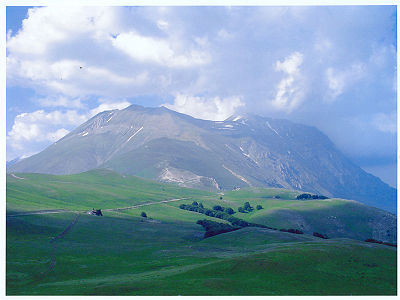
241	151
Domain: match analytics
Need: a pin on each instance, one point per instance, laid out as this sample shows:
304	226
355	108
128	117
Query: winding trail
42	212
58	211
53	241
15	176
144	204
53	260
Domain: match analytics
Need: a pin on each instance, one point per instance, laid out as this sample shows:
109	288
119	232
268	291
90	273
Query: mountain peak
244	150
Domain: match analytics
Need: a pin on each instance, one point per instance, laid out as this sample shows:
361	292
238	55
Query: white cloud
340	80
108	106
290	91
291	64
71	77
47	26
385	122
215	109
159	51
41	126
80	51
33	130
224	35
60	101
162	25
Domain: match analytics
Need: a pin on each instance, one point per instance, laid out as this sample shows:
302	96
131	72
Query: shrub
373	241
247	206
220	198
219	215
229	211
291	230
195	203
322	236
258	207
218	207
213	228
143	214
201	205
309	196
240	209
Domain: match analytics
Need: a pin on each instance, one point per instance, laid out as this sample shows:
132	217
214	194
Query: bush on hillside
247	206
322	236
229	211
310	196
213	228
218	207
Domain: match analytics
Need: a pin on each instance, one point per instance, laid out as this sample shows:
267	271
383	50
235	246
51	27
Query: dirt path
53	241
15	176
58	211
53	260
144	204
43	212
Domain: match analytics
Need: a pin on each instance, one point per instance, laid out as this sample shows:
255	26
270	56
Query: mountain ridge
243	150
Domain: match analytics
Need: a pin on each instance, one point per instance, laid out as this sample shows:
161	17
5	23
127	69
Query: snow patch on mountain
135	134
186	178
237	175
270	127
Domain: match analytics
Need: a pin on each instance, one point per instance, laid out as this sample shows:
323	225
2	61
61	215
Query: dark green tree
218	207
258	207
143	214
229	211
247	206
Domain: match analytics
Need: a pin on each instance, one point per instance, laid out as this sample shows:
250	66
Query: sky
332	67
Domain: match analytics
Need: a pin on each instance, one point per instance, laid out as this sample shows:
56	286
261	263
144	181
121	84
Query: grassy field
122	253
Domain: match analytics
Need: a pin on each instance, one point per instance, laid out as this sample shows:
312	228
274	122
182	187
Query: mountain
242	151
13	161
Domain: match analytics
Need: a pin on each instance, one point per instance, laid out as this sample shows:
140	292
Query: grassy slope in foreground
123	254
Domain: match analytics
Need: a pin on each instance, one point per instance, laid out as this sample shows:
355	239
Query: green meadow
123	253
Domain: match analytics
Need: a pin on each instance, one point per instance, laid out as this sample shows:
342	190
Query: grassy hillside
121	253
100	188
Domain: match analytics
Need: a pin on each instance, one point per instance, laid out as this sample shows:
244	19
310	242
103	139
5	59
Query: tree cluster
291	230
228	210
213	228
320	235
246	208
380	242
310	196
235	222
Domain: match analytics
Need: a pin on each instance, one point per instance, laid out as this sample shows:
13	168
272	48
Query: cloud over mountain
316	65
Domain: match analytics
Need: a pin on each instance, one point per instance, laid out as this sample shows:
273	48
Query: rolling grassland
54	247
